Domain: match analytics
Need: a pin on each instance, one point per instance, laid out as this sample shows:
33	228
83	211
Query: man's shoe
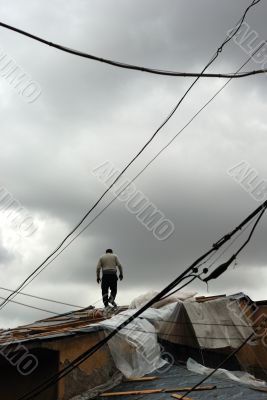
114	305
107	311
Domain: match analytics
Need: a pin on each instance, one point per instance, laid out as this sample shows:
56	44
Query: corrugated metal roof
179	376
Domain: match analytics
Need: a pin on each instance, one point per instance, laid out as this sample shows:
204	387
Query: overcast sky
89	113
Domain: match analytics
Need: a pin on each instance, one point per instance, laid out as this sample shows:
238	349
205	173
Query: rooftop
69	324
178	376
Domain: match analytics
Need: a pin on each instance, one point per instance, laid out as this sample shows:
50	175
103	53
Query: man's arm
98	269
120	268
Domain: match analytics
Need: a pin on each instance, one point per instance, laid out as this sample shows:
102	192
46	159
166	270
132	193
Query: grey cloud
5	256
89	113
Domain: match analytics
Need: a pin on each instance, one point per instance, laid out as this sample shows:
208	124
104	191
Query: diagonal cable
219	50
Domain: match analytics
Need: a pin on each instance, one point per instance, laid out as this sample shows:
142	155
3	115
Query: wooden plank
152	391
134	392
186	388
142	379
179	396
162	390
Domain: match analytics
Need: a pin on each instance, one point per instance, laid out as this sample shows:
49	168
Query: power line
131	66
156	320
204	262
190	323
150	319
223	267
119	64
214	261
85	355
181	287
249	337
168	334
142	170
41	298
221	364
80	359
229	246
34	307
219	50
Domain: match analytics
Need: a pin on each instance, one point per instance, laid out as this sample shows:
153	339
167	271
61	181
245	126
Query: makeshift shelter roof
177	377
68	324
216	322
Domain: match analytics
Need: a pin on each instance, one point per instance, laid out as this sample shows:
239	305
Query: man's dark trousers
109	281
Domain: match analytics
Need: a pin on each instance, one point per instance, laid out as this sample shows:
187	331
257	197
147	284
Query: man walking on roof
109	263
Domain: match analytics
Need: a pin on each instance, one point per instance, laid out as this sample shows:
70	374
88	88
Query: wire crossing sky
131	66
89	352
88	113
214	57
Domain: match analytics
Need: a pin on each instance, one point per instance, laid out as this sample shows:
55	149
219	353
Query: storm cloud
89	113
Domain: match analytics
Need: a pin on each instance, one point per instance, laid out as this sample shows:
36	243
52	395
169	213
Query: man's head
109	251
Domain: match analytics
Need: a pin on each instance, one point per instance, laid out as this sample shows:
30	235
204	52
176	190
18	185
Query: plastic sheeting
141	300
176	327
218	323
240	377
214	324
135	349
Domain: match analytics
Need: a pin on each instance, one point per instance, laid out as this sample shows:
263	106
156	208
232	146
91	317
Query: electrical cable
261	212
229	246
96	319
29	306
220	255
250	336
181	287
225	250
131	66
223	267
42	298
85	355
219	50
219	365
141	171
134	329
251	233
